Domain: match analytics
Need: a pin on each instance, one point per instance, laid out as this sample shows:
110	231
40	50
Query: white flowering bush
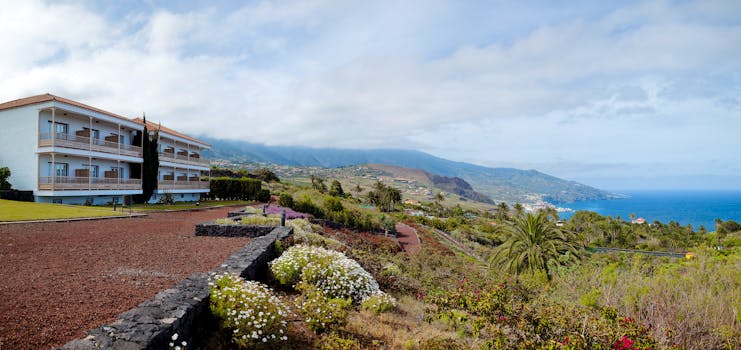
321	313
331	272
248	309
379	302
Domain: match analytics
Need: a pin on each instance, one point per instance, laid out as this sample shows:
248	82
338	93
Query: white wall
18	141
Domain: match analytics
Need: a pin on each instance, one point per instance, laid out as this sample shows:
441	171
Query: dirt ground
58	280
407	237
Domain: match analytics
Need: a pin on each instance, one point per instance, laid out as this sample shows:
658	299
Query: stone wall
182	309
213	229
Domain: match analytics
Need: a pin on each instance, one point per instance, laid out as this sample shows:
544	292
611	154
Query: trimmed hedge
226	188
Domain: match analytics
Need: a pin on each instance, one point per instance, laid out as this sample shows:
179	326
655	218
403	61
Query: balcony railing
61	183
178	158
85	143
182	185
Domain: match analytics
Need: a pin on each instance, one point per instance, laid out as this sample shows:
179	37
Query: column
53	127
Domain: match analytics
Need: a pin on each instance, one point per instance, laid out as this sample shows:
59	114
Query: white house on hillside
68	152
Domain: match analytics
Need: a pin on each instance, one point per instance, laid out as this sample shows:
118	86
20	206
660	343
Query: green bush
322	313
286	200
333	341
247	310
263	195
226	188
303	233
379	302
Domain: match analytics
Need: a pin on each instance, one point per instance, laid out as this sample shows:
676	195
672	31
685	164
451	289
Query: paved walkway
408	238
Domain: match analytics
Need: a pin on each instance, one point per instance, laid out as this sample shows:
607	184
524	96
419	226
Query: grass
25	211
185	205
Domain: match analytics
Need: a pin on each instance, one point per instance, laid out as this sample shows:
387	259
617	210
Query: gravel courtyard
58	280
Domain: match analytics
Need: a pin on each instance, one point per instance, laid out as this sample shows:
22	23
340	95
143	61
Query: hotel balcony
182	158
194	184
61	183
88	144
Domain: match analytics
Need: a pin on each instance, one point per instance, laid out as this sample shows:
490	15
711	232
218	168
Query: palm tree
551	212
439	197
534	243
502	212
519	209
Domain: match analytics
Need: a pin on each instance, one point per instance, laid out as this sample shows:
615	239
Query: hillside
499	184
453	185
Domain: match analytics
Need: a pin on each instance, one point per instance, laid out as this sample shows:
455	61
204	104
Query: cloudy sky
614	94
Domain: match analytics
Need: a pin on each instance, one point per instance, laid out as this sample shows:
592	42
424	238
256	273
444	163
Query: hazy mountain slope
499	184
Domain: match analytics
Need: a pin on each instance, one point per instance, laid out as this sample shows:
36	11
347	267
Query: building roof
153	126
49	97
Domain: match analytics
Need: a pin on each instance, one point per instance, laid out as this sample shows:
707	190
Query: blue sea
686	207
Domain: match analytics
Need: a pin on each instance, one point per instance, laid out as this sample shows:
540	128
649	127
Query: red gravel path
407	237
58	280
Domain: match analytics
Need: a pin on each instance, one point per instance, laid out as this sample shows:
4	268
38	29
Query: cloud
528	83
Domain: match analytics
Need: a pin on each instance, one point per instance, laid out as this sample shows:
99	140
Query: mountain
454	185
499	184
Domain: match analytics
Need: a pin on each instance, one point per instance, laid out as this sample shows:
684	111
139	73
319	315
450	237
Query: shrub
248	310
259	220
263	195
340	277
225	221
334	274
288	267
322	313
286	200
379	302
334	341
303	233
229	188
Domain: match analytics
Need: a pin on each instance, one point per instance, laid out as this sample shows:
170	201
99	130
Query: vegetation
226	188
384	197
150	165
248	311
541	290
534	243
24	211
4	176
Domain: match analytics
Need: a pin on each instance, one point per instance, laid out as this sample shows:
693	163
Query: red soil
407	237
59	280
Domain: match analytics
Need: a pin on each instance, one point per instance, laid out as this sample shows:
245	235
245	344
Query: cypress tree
150	165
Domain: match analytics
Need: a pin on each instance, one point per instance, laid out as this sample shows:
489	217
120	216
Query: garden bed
182	309
61	279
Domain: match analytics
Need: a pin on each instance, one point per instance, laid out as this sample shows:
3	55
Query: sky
617	95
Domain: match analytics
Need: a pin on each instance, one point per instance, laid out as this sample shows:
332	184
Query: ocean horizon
695	207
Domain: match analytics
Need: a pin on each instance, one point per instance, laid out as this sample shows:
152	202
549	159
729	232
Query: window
95	134
59	128
119	171
60	169
93	170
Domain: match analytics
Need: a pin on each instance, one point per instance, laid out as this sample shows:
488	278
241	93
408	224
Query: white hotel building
68	152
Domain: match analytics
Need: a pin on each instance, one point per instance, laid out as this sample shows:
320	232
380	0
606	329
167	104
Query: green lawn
23	211
184	205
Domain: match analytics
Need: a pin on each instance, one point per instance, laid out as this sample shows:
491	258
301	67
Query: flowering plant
334	274
248	309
